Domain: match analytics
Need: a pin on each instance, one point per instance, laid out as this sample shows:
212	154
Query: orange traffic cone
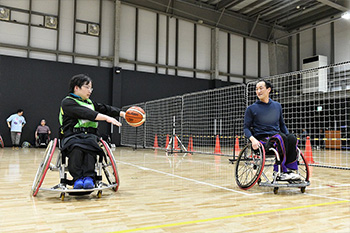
308	151
217	146
190	144
155	145
167	141
237	150
176	146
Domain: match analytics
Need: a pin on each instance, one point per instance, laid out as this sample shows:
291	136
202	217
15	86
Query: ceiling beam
334	5
227	4
227	20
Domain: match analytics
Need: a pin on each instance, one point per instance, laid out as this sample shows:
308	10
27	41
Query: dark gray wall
39	86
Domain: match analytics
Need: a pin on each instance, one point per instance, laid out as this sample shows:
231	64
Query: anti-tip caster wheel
99	194
275	190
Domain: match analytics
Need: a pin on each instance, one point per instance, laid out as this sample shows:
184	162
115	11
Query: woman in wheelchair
79	118
264	123
42	133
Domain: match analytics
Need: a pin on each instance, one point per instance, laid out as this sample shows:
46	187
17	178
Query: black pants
81	163
43	137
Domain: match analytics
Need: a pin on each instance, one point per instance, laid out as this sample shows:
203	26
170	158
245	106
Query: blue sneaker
78	184
88	183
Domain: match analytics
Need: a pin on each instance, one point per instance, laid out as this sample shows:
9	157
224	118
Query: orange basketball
135	116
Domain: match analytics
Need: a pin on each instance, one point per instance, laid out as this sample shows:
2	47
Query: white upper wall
323	43
180	43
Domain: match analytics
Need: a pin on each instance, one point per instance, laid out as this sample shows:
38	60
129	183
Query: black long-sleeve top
73	111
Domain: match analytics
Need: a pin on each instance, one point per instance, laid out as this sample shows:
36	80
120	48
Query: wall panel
223	54
236	55
21	4
323	41
252	58
127	32
265	68
162	49
107	29
186	47
43	38
305	45
342	40
147	27
203	50
15	33
47	7
66	25
86	44
88	10
172	44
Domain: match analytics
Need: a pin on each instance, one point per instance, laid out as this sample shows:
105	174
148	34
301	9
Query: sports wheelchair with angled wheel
105	165
257	166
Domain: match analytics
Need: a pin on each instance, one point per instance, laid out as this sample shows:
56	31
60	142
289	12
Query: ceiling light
93	29
50	22
346	15
4	14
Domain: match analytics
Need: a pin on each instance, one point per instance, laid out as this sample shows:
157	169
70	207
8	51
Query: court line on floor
220	187
184	178
228	217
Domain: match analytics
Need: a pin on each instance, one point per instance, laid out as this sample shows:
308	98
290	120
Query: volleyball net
316	108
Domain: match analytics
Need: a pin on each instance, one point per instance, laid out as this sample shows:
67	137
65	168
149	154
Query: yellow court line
228	217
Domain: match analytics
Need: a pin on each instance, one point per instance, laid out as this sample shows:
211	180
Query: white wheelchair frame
105	165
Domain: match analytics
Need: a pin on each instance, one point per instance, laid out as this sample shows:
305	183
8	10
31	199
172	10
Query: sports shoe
289	176
88	183
78	184
295	176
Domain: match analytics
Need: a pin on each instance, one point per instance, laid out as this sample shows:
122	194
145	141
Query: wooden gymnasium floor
178	194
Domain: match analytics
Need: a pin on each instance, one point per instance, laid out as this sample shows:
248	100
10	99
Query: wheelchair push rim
44	166
249	166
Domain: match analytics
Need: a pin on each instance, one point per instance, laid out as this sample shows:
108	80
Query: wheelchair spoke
249	167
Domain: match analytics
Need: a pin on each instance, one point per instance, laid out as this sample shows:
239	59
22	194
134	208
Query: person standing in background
16	122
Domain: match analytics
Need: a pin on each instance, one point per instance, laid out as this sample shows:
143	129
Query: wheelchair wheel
303	167
109	167
249	166
43	167
1	142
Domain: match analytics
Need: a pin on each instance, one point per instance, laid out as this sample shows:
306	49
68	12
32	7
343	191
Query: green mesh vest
81	122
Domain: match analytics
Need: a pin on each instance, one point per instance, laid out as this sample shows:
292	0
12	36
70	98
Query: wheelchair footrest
290	183
58	188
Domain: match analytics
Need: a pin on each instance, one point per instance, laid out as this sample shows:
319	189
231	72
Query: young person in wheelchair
263	121
79	118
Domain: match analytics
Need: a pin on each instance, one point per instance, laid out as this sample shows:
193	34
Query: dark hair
19	110
79	80
268	84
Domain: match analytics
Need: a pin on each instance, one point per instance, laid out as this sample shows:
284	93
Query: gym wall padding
38	86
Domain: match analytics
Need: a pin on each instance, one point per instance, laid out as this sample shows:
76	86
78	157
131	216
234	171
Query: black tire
249	166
